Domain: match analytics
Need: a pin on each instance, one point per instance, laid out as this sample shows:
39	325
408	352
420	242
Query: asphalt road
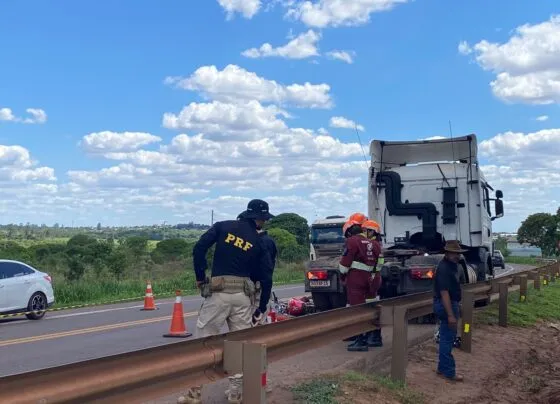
76	335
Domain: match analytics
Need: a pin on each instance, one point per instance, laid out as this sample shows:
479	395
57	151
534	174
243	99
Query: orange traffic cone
178	328
149	303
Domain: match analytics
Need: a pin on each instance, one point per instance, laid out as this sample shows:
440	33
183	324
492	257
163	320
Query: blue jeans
447	335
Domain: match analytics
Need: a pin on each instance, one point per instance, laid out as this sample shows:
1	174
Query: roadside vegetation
355	388
96	267
539	306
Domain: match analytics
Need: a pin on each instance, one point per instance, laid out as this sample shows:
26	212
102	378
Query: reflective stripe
361	265
343	269
380	261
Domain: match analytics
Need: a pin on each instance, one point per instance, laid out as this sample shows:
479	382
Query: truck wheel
321	301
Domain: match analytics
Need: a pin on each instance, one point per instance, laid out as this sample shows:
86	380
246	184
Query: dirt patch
506	366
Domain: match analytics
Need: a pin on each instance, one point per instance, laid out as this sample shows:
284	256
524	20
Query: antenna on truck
361	145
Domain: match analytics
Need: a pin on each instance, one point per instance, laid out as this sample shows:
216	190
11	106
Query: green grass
524	260
105	290
30	243
318	391
539	305
327	390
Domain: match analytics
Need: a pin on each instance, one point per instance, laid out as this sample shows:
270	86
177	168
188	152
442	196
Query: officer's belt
361	266
229	284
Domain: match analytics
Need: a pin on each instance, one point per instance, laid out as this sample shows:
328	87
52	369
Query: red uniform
358	261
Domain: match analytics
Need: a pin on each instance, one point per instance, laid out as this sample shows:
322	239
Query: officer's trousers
235	309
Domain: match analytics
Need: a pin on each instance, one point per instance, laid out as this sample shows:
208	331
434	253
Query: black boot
359	345
374	339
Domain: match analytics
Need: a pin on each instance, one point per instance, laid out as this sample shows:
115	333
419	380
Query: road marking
88	330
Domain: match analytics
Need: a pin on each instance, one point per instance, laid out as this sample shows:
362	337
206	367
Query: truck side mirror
499	207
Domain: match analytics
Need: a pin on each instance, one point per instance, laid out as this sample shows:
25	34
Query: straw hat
453	246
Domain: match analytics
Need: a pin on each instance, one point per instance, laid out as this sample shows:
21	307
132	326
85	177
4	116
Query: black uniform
240	251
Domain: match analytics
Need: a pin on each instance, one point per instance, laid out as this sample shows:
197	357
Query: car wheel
37	306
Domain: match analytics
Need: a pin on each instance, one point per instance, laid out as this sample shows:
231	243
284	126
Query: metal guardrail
154	372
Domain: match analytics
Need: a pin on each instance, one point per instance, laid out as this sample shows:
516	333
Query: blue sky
243	124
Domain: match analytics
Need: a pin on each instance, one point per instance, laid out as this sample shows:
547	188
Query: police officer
240	259
357	263
270	246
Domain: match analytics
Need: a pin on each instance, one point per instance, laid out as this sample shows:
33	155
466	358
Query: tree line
540	230
85	256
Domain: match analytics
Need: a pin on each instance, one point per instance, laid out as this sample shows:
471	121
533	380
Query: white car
24	289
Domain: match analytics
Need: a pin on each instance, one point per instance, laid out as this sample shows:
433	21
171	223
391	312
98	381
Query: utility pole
212	222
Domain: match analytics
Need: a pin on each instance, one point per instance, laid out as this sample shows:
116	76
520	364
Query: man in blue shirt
447	298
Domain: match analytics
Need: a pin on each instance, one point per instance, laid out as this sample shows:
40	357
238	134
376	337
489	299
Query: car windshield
326	235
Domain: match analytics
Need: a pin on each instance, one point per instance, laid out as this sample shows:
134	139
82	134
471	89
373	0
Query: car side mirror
499	207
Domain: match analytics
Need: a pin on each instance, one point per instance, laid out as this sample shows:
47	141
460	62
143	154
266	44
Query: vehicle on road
24	289
426	192
498	259
323	279
422	193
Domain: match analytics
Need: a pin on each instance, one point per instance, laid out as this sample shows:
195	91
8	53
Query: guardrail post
503	315
254	373
468	315
552	272
522	281
399	356
536	277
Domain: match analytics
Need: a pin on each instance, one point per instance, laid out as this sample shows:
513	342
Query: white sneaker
234	393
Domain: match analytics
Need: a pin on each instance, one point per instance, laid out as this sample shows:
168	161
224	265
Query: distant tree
117	262
172	249
501	244
293	223
286	243
541	230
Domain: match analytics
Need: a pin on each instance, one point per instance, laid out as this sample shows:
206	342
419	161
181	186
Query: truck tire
338	300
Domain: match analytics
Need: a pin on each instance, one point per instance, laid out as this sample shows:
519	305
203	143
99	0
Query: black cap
257	209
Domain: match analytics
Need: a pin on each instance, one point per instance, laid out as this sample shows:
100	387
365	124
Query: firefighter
357	264
240	259
373	232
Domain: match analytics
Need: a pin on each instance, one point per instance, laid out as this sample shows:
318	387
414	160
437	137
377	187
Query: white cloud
334	13
224	120
17	169
464	48
248	8
527	66
235	83
344	56
301	47
37	116
525	167
107	141
542	118
342	122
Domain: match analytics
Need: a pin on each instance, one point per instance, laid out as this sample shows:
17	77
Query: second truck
422	193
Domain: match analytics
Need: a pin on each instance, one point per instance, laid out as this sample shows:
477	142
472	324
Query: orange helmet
371	225
358	217
349	223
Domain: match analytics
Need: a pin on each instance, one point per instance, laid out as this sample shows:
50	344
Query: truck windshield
326	235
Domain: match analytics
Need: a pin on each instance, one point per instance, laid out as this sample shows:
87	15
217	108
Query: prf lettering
239	242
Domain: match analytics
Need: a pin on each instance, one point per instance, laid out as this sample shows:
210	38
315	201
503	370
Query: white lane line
85	313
